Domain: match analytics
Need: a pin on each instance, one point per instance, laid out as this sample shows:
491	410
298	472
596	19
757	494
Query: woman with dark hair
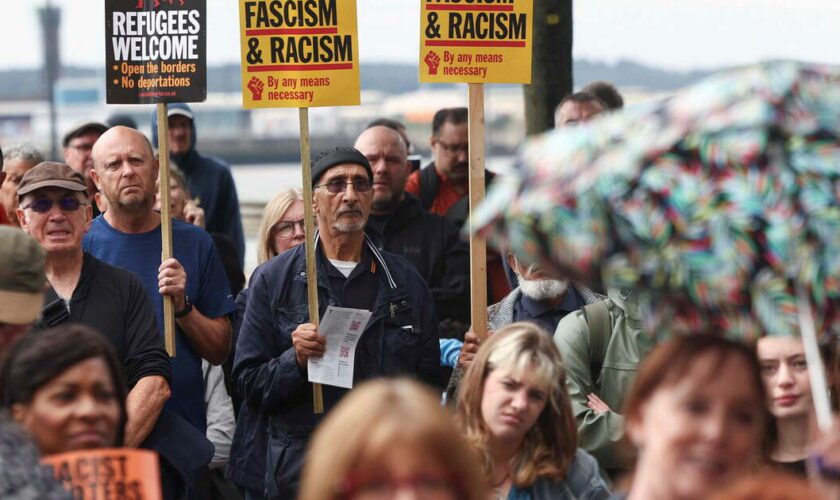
788	384
64	386
514	410
697	414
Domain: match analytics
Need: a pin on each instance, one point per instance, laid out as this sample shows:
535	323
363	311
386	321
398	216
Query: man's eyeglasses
286	228
44	205
454	149
337	186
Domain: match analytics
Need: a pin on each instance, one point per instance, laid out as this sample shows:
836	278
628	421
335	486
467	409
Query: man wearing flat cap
54	208
78	145
278	338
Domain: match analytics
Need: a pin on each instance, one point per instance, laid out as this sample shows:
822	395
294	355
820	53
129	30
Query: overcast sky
673	34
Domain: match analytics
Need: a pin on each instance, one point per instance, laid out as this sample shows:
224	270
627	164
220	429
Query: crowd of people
565	396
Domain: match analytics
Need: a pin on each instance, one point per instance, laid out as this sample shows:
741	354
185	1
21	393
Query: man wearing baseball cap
209	178
278	337
22	283
78	143
55	210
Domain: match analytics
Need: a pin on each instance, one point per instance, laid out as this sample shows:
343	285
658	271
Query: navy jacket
400	339
211	184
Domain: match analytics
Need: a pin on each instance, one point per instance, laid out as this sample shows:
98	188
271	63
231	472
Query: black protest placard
155	51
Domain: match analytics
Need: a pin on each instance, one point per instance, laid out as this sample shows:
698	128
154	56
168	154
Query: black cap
339	156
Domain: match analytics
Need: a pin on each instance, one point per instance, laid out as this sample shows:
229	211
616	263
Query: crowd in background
565	396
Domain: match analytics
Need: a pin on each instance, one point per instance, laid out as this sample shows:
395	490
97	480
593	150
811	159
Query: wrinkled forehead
346	171
111	146
381	140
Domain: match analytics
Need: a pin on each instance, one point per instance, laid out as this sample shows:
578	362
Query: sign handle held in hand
309	227
165	222
478	246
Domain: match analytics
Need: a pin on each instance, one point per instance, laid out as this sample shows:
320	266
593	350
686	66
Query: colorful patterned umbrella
716	203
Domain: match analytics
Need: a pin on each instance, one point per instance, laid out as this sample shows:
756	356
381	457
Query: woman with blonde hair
515	411
390	437
281	227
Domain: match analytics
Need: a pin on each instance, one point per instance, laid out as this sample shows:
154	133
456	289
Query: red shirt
4	221
448	192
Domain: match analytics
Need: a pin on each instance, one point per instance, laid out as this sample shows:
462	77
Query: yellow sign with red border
299	53
476	41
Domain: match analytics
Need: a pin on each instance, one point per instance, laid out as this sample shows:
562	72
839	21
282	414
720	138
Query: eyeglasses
337	186
44	205
286	228
454	149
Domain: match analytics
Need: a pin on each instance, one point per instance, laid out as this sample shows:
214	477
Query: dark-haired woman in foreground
64	386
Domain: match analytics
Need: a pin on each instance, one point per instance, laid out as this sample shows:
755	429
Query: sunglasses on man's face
44	205
336	186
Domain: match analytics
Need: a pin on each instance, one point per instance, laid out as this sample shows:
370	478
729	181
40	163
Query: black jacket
434	246
114	302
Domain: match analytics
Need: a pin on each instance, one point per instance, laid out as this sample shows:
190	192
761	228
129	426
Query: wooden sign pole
478	246
309	227
165	222
816	370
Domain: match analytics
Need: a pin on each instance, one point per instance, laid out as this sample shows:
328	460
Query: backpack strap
597	316
429	185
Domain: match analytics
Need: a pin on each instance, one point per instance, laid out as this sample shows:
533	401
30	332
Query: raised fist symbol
256	87
432	60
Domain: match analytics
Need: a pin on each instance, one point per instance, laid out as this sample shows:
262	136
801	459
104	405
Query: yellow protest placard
476	41
299	53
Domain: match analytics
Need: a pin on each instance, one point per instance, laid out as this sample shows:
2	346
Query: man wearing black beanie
278	338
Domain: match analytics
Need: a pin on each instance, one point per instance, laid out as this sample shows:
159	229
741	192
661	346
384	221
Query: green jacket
602	434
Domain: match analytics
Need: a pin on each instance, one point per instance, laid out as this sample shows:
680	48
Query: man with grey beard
538	299
278	338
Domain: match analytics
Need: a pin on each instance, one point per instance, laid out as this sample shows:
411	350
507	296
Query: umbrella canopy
715	202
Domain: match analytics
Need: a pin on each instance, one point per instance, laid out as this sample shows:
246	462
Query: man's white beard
542	289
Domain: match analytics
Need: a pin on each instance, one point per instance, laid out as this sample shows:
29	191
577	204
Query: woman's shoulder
584	463
583	481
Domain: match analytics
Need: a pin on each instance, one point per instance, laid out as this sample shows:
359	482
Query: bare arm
144	404
210	337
